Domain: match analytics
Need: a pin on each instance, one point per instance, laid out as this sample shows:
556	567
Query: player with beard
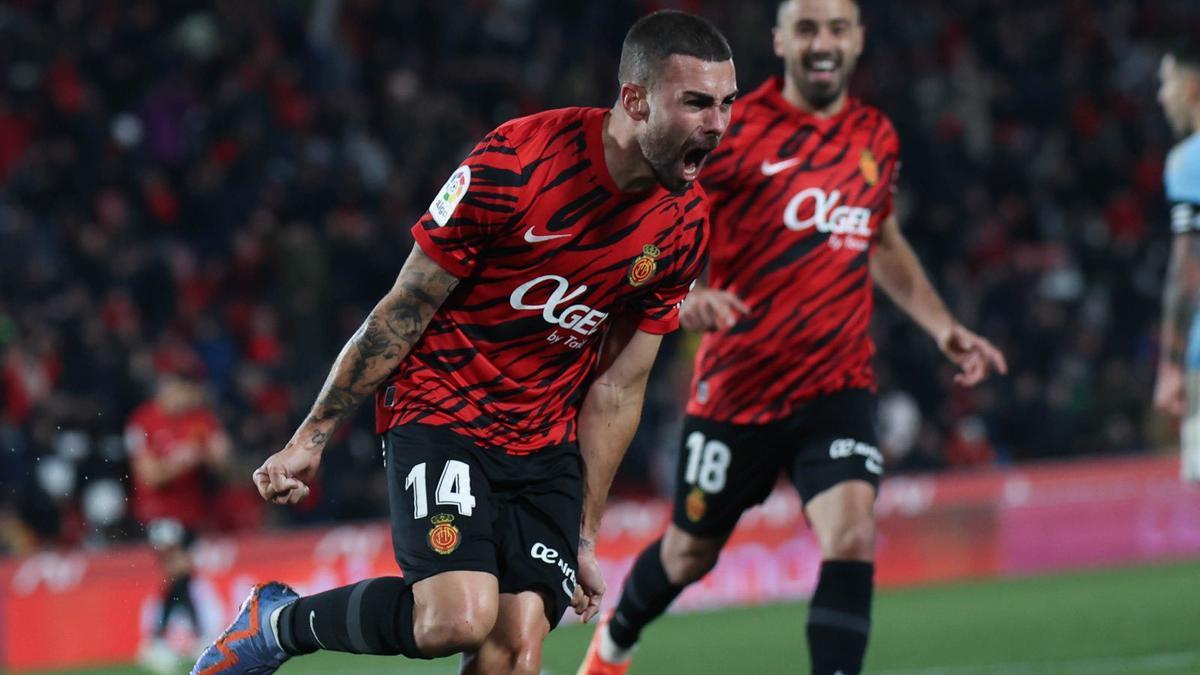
1177	391
803	224
509	364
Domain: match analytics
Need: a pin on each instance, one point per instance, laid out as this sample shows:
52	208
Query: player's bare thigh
515	643
453	611
843	520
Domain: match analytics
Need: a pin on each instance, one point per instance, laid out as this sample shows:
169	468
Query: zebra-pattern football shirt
550	253
797	206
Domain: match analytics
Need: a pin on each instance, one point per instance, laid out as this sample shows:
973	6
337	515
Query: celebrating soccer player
802	223
508	365
1175	393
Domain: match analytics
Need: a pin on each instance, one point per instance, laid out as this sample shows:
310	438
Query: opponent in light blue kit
1177	391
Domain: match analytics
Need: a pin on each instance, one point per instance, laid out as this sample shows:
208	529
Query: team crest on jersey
695	505
869	167
443	537
645	265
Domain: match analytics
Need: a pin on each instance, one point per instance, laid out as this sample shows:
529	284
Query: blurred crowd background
226	188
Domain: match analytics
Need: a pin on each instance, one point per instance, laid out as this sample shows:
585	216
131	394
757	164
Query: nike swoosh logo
311	616
535	238
772	168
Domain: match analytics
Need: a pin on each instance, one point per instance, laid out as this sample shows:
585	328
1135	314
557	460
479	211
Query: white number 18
707	463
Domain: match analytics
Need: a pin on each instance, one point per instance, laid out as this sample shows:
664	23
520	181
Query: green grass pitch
1125	621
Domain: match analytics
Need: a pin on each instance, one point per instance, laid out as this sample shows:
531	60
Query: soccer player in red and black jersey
508	365
175	442
803	223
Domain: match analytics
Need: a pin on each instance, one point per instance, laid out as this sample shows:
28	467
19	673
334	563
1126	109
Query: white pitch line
1122	665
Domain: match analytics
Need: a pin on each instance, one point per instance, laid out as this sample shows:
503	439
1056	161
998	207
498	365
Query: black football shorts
458	507
726	468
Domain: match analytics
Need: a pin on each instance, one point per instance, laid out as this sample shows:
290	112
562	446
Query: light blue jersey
1182	180
1183	192
1183	185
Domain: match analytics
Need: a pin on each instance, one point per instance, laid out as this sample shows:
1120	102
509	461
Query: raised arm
896	269
607	421
373	352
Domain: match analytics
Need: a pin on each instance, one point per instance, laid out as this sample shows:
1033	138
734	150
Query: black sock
647	594
374	616
178	594
839	618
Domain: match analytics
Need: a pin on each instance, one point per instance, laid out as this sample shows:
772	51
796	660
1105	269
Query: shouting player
508	364
1180	99
802	223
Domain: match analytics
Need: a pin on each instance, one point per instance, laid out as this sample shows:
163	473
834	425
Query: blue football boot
249	645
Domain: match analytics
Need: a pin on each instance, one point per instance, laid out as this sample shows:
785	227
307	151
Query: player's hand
1168	389
284	477
974	355
182	458
589	591
710	309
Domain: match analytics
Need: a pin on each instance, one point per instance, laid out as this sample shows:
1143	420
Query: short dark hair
784	3
1186	50
655	37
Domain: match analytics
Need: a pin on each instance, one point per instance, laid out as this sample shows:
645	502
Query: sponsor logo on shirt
559	309
849	226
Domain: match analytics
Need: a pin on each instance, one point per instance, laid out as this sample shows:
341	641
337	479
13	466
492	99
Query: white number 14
453	488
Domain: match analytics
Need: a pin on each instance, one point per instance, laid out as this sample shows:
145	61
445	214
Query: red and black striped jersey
550	252
797	206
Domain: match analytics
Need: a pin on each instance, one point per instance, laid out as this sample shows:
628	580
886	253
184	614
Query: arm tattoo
1181	297
383	340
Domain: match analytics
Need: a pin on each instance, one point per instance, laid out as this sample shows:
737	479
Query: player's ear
633	100
777	42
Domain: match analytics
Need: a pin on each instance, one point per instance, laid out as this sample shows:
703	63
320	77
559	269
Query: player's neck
623	157
791	94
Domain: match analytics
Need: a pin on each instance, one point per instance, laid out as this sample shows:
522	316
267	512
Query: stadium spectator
177	450
197	170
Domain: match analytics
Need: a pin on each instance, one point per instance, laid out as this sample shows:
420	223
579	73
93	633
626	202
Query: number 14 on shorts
453	488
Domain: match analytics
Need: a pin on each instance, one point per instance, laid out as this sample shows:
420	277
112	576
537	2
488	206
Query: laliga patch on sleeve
450	195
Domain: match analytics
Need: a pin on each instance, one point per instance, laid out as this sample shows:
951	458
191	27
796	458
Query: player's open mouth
693	161
822	69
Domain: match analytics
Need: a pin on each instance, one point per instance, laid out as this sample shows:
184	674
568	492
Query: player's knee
519	655
448	630
687	558
855	541
525	655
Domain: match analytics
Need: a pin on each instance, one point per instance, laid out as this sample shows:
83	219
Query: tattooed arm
374	351
1181	300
